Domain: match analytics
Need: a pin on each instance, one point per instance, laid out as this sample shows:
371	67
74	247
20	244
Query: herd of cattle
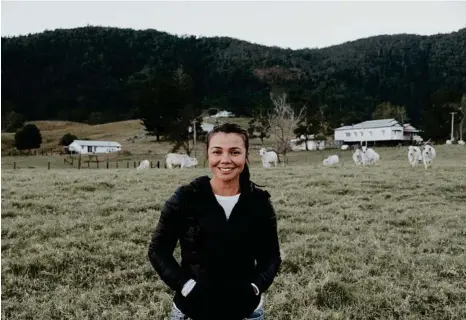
361	156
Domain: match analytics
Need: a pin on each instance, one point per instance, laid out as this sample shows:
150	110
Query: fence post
135	164
158	164
107	164
48	165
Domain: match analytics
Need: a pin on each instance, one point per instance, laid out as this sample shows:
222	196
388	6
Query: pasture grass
375	242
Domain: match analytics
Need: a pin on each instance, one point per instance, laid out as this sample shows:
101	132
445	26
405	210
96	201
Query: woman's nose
225	158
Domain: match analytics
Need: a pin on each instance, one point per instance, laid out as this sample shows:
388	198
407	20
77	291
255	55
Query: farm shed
93	146
377	130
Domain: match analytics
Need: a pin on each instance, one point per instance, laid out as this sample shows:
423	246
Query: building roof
409	128
382	123
96	143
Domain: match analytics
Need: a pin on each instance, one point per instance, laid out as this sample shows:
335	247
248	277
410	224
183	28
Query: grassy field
380	242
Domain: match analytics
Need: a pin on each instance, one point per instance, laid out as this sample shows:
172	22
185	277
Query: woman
225	225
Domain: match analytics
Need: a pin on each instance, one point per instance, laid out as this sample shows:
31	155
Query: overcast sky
284	24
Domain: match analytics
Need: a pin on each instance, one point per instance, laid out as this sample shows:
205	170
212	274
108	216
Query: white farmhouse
377	130
93	147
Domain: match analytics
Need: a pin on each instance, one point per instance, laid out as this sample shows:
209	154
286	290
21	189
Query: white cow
181	160
370	156
331	160
357	157
344	147
144	165
428	155
365	156
268	157
414	155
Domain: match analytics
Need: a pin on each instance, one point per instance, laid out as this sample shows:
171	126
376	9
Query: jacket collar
202	184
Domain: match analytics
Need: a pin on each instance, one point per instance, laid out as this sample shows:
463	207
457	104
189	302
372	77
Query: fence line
135	164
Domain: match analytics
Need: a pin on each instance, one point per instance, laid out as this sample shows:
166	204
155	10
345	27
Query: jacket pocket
193	304
243	299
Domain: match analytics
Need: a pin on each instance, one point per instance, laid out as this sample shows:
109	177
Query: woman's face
226	155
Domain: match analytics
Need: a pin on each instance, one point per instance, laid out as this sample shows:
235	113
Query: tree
188	106
283	121
305	128
67	139
27	138
436	120
259	126
158	104
386	110
461	107
212	111
13	121
181	133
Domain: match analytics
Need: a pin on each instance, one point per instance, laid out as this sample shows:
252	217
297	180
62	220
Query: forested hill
99	74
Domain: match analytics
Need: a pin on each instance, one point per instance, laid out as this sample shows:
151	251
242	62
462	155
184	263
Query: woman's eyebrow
232	148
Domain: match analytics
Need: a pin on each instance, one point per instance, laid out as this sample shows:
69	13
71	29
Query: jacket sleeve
163	243
268	253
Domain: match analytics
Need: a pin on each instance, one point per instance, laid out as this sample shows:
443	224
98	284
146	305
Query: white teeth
225	169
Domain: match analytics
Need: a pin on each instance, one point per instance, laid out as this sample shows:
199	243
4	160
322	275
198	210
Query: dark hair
244	177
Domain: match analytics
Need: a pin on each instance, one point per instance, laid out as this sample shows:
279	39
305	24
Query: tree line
97	75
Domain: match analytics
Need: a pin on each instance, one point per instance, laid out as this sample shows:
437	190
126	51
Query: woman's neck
225	188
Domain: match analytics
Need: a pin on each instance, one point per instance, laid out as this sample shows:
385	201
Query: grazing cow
365	156
414	155
331	160
144	165
357	157
344	147
268	157
181	160
428	155
370	156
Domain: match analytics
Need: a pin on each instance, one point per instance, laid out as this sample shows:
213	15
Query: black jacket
219	254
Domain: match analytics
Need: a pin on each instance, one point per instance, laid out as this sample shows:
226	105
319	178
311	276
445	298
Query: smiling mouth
226	169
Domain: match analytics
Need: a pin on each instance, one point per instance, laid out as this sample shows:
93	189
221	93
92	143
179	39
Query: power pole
194	137
452	123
